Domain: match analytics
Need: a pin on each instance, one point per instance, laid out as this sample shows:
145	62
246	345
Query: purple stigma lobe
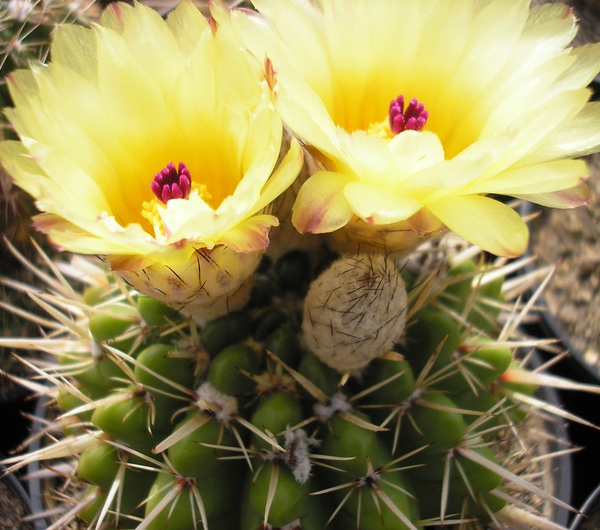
413	118
172	183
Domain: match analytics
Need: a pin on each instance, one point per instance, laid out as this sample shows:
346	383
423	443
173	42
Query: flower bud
354	311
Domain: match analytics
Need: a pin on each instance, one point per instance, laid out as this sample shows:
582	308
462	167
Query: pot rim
563	464
579	519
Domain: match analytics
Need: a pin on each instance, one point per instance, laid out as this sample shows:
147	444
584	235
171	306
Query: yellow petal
251	235
513	105
67	187
582	71
577	137
282	178
301	106
537	124
369	158
186	23
66	235
294	22
321	206
75	47
491	36
152	43
415	151
543	178
379	206
128	92
549	29
487	223
573	197
444	179
23	168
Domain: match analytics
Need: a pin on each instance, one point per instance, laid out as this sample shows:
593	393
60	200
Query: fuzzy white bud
355	311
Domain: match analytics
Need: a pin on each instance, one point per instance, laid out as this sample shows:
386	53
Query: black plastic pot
14	408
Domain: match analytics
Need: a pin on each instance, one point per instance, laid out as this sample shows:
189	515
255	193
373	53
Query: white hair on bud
223	406
297	445
325	411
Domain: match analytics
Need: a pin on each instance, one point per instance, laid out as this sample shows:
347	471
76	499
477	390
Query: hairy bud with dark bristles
355	311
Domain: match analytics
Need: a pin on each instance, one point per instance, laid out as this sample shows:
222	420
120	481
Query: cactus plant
239	425
375	393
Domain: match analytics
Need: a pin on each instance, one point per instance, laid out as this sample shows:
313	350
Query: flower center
413	118
172	183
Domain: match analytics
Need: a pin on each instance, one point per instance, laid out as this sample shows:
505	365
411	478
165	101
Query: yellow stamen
382	129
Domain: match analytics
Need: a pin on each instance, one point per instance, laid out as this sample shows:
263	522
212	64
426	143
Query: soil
12	510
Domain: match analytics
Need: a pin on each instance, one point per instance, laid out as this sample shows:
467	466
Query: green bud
99	465
267	323
319	374
112	322
479	477
94	294
455	296
479	366
439	429
290	500
230	329
183	510
275	413
378	516
431	331
154	312
224	373
88	513
68	401
293	271
345	439
395	391
168	361
193	459
128	420
284	343
102	376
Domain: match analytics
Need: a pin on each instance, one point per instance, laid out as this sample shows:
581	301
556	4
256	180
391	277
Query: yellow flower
154	144
505	108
